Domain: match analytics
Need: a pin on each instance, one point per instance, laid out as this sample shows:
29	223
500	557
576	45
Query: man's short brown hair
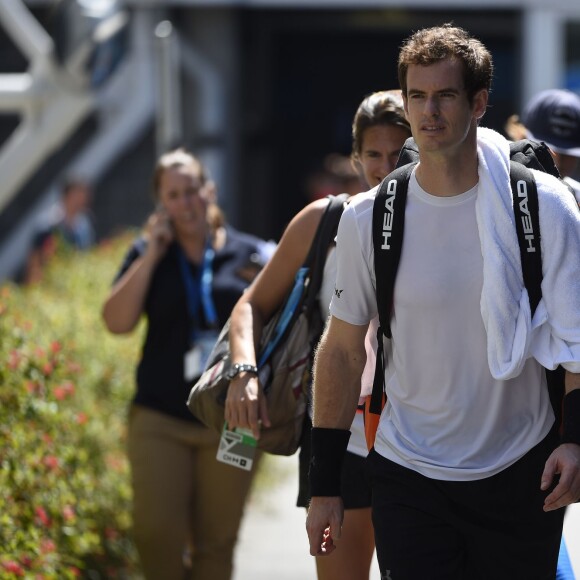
431	45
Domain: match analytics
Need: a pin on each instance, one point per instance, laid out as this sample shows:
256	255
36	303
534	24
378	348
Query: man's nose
432	106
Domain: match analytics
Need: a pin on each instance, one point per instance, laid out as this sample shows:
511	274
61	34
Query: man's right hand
323	524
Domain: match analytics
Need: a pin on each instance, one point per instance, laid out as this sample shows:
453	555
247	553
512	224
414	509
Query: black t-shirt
160	372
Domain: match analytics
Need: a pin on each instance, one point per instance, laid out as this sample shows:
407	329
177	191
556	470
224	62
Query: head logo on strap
388	214
527	225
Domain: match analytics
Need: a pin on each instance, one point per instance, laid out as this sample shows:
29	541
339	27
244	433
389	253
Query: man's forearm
572	381
571	409
337	376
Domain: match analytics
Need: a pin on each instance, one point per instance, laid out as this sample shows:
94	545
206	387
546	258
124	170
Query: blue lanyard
198	289
285	316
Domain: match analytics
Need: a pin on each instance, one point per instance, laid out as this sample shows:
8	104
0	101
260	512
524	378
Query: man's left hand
564	461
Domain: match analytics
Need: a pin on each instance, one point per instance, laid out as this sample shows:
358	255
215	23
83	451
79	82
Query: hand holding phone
159	230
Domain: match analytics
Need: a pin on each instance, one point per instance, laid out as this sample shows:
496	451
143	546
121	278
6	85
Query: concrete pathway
273	542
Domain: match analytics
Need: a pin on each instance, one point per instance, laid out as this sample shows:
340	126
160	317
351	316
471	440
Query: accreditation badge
197	356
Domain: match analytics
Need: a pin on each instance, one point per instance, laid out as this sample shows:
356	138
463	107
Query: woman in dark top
185	273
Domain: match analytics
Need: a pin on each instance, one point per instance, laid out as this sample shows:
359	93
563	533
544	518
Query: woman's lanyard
198	291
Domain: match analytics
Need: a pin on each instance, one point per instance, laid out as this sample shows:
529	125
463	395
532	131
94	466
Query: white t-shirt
446	416
575	186
357	442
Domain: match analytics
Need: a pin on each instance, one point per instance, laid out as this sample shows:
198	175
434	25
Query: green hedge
65	384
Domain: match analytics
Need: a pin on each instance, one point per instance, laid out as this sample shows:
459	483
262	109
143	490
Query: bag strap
526	212
325	234
388	230
308	279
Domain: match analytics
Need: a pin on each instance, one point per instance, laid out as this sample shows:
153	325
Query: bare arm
245	406
571	381
340	360
124	304
564	461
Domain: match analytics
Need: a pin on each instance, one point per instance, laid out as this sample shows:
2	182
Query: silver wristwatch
238	368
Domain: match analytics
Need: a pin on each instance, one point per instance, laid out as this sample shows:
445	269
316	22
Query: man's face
437	106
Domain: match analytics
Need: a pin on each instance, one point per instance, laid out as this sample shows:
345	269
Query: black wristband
571	418
327	454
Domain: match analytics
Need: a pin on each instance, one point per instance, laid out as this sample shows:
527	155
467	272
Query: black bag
388	229
286	352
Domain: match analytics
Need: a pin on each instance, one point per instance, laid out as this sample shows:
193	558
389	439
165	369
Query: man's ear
480	100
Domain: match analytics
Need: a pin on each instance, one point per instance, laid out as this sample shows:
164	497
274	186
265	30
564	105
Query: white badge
197	356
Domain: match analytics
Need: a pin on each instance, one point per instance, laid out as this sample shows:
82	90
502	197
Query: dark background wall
304	74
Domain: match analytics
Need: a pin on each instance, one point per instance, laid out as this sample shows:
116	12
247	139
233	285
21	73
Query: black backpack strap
325	234
526	212
527	215
388	230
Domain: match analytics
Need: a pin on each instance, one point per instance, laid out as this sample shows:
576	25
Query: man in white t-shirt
468	472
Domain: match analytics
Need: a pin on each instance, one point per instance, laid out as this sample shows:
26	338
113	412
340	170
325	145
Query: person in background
468	471
69	220
184	274
336	175
553	116
379	131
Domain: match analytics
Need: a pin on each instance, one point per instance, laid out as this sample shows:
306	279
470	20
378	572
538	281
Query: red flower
47	368
82	418
14	567
51	462
59	393
42	516
55	347
30	386
47	545
68	513
14	358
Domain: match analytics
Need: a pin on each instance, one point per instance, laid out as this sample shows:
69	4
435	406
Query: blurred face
380	148
77	199
438	109
566	164
185	199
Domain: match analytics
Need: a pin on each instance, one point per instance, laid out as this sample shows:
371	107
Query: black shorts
457	530
355	484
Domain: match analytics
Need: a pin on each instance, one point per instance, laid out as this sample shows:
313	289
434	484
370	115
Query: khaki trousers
184	500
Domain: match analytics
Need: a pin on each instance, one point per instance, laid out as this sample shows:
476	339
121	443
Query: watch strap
238	368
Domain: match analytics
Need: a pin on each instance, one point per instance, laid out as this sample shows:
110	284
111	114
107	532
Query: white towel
553	336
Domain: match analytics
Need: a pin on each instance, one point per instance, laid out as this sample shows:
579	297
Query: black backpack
388	228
